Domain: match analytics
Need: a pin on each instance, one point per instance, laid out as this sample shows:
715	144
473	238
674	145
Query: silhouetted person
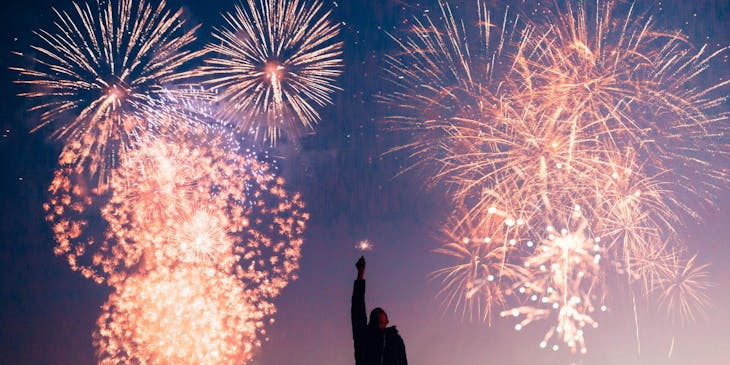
375	343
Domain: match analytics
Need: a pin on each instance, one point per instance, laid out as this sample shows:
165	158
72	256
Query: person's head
378	318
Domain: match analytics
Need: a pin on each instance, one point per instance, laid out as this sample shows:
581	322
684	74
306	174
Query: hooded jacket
372	345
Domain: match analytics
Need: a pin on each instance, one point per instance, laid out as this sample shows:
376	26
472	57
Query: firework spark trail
576	108
535	113
96	73
275	60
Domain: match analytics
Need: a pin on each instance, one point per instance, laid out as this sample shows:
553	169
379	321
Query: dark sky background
48	312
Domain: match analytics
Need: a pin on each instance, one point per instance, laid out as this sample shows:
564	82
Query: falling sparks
565	274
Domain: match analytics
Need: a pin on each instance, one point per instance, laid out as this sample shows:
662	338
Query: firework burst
571	95
196	237
96	74
273	63
443	80
683	287
583	126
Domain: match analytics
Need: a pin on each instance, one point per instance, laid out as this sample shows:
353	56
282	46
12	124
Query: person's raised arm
360	264
357	311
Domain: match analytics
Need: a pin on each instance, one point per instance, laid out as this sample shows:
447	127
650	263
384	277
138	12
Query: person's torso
383	348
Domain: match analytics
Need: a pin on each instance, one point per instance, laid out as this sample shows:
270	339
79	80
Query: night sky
353	192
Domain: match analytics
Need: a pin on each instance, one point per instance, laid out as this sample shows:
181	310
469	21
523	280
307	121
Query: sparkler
95	75
273	63
364	245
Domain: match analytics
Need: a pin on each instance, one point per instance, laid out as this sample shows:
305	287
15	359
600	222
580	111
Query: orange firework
554	95
444	82
184	202
578	118
187	314
197	239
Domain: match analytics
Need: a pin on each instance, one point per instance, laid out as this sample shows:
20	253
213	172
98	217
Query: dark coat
373	346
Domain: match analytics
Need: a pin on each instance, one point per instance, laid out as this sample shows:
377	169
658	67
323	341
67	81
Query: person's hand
360	264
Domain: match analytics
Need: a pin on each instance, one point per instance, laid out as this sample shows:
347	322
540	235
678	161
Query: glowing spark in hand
364	245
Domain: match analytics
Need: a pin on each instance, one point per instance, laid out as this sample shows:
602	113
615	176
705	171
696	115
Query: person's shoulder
393	336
